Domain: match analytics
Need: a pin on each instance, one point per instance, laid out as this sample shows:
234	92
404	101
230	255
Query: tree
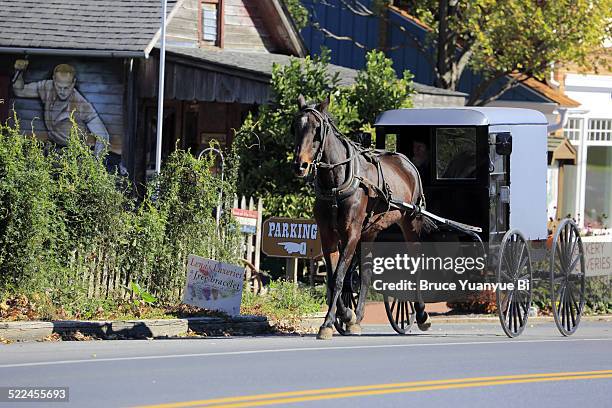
505	41
266	143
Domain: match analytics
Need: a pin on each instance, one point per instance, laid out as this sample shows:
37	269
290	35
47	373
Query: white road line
296	349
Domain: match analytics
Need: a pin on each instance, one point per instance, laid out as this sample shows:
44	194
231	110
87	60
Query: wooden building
218	68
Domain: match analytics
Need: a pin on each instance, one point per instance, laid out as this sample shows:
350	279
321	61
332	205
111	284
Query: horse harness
354	180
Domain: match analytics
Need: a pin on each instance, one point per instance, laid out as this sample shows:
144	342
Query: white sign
213	285
597	255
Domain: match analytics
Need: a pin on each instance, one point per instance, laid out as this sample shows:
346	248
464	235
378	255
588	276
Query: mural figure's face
64	84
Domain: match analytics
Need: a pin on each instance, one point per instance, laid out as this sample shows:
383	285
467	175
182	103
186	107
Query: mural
42	91
60	101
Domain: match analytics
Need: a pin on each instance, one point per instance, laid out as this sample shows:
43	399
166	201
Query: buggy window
391	142
456	153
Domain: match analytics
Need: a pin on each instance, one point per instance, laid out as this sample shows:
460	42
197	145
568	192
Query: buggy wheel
567	275
401	314
514	267
350	293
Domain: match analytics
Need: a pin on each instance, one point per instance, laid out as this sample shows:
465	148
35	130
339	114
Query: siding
183	28
345	23
244	28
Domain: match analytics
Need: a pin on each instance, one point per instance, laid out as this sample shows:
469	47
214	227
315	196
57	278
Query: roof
284	27
561	148
463	116
121	26
254	63
548	92
260	64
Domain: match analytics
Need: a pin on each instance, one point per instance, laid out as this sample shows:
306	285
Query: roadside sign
247	220
598	255
291	238
213	285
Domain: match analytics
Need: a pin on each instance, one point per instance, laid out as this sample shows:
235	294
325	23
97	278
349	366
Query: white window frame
582	144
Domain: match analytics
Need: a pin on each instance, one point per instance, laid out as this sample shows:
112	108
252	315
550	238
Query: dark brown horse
353	191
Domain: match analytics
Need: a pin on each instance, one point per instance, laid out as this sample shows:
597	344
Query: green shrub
75	235
598	295
27	210
284	302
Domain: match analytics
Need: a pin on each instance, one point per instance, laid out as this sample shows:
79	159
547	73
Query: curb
314	321
134	329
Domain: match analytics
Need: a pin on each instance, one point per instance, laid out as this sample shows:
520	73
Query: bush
28	210
598	296
284	302
75	235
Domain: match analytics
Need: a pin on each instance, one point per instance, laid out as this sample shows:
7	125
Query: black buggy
484	176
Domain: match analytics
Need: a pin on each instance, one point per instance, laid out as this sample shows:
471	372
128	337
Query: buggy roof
460	116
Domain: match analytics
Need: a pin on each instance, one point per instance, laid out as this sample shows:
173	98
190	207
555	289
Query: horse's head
308	137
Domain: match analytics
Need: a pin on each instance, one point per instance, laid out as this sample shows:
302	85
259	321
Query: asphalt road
442	368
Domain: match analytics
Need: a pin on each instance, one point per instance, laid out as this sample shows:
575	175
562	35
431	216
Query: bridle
326	127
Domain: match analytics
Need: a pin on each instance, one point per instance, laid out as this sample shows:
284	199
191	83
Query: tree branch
464	58
329	34
363	10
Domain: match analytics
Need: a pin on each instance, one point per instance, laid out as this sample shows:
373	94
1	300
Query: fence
251	242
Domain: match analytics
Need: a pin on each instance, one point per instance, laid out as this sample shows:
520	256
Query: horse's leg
365	272
410	235
331	255
331	262
326	330
329	243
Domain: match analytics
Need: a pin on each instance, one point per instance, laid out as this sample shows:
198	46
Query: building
218	68
588	188
214	75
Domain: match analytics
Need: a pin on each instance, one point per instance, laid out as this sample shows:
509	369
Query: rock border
134	329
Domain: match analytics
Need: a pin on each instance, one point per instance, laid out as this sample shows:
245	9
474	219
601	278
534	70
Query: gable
253	26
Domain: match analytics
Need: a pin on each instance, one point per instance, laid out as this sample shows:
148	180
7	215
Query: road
441	368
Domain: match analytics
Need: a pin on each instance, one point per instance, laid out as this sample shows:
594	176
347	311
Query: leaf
135	288
148	298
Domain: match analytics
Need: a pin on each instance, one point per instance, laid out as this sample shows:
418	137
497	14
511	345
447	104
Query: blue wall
365	30
345	23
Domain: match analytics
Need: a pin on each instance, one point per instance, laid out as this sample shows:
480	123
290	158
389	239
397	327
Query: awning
561	149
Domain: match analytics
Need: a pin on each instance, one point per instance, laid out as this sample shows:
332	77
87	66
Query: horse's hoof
425	325
352	319
353	329
325	333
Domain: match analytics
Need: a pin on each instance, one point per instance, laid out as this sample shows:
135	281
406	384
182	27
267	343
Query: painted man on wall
60	100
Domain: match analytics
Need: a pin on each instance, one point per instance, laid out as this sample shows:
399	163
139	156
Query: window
598	191
212	21
391	142
600	130
573	129
456	153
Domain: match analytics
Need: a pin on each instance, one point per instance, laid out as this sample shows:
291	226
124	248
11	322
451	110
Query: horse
353	188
